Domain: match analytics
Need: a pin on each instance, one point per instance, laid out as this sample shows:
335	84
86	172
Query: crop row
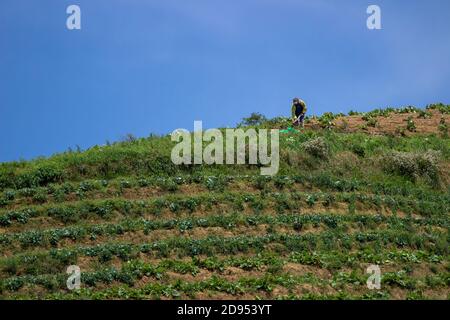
179	287
263	284
281	202
436	243
297	222
136	269
30	264
54	260
442	108
85	188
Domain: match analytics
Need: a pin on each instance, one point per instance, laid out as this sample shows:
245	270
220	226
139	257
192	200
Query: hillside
352	191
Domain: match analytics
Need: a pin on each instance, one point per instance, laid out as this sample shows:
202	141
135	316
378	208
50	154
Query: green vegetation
410	124
141	227
443	128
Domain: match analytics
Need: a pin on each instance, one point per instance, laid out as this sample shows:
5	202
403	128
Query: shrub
9	195
85	186
45	175
440	107
311	200
130	138
143	182
329	199
317	147
14	284
400	131
372	122
31	238
215	183
281	182
255	119
443	127
59	195
124	184
40	197
354	113
298	225
260	182
413	165
410	124
27	192
424	114
326	121
67	188
167	184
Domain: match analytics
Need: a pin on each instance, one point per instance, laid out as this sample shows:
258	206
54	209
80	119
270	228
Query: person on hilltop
298	112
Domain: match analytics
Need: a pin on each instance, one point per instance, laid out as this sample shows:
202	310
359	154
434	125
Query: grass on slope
140	227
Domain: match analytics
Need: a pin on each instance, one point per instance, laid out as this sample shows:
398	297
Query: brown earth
391	124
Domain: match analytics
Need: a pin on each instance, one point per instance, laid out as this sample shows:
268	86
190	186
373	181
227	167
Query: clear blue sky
142	66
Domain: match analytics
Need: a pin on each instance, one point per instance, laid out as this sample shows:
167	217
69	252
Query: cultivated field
352	191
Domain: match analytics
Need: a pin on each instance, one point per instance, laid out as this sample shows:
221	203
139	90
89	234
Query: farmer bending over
298	112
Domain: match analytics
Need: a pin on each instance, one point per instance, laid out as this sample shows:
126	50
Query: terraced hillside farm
352	191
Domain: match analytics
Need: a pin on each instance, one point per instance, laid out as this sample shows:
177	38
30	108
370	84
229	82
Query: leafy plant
443	127
317	147
413	165
410	124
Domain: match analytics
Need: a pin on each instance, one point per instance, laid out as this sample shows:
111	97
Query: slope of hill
352	191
